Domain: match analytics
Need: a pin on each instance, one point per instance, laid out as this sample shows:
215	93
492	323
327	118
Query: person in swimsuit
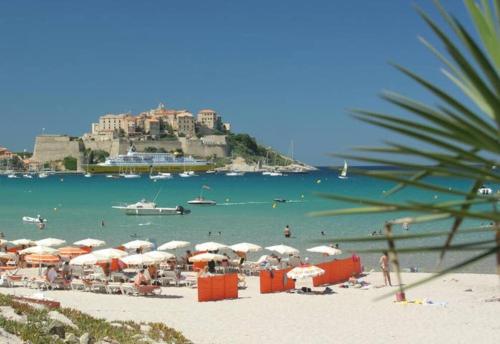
384	265
287	231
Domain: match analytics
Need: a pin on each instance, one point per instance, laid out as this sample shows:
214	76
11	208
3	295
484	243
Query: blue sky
278	70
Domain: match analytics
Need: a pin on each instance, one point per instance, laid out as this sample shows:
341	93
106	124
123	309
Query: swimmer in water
323	233
209	233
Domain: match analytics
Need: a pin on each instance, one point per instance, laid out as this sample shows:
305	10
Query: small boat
211	172
12	176
27	176
266	173
343	173
235	174
37	219
483	190
43	175
88	175
187	174
159	177
201	201
130	175
279	200
144	207
113	176
275	174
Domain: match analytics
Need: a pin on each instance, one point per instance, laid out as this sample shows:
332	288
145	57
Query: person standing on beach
287	231
384	265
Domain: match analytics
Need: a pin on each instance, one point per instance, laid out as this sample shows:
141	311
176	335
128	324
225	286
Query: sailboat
159	175
343	173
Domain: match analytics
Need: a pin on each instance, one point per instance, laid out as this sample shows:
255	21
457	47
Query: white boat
266	173
37	219
187	174
159	177
43	175
201	201
88	175
27	176
276	174
149	208
12	176
130	175
113	176
483	190
343	173
211	172
235	174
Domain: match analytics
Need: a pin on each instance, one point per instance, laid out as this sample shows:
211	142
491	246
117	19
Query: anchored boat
144	207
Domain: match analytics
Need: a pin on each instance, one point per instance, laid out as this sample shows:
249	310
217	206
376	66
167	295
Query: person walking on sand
384	265
287	231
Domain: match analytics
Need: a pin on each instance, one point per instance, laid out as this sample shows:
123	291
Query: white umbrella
209	246
50	242
134	245
110	253
245	247
7	255
159	256
325	250
172	245
85	259
89	242
38	250
138	259
23	242
3	242
283	249
263	258
206	257
305	271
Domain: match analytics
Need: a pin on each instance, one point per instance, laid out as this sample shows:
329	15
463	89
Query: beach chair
39	283
114	288
77	271
169	277
98	287
78	284
144	290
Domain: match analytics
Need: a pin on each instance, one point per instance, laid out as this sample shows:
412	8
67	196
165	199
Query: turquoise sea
75	206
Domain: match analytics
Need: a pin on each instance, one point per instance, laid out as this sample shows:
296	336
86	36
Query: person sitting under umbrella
140	279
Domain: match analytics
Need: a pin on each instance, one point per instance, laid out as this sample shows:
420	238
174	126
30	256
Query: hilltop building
5	153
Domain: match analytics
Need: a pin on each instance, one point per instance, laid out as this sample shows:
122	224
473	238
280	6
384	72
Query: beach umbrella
42	259
245	247
283	249
209	246
86	259
138	244
138	259
3	242
206	257
50	242
159	256
71	251
173	245
38	250
263	258
330	251
110	253
23	242
305	271
89	242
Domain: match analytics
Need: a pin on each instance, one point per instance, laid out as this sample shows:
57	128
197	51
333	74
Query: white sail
343	174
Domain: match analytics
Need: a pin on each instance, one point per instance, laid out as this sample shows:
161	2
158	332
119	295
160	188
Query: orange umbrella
42	259
71	251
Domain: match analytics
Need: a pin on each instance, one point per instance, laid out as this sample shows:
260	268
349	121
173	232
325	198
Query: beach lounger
132	289
114	288
78	284
38	283
98	287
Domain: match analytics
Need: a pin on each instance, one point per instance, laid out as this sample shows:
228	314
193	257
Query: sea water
76	207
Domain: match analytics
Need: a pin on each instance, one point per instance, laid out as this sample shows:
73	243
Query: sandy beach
348	316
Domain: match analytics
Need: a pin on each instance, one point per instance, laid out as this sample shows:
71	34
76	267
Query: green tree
70	163
457	138
150	149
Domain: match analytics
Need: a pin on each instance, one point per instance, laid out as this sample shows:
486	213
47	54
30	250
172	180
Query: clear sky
278	70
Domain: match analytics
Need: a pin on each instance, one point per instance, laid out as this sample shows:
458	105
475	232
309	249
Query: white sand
349	316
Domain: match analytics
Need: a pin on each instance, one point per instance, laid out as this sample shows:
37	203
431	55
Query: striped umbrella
42	259
305	271
71	251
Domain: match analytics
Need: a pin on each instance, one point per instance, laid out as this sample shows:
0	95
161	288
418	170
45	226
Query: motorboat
159	177
37	219
279	200
343	173
187	174
276	174
211	172
266	173
144	207
483	190
27	176
43	175
201	201
113	176
130	175
12	176
88	175
235	174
